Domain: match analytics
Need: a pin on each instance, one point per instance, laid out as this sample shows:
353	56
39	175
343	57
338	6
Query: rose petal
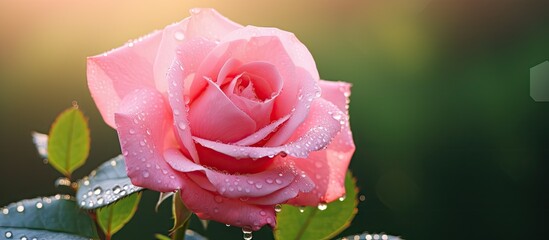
328	167
204	23
114	74
188	56
260	49
143	125
299	54
308	92
214	116
262	133
267	84
208	205
237	186
301	185
320	127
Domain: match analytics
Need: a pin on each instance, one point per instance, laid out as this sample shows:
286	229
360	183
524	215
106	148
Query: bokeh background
450	145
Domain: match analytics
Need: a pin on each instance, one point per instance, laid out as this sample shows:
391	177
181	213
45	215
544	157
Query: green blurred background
450	145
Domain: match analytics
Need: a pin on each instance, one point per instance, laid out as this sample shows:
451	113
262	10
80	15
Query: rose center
248	86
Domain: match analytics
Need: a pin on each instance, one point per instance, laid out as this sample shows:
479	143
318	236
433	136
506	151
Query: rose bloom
234	117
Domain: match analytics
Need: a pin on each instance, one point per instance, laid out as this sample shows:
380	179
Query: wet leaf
105	185
47	218
314	223
113	217
69	141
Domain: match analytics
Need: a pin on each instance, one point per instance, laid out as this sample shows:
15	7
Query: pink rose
235	117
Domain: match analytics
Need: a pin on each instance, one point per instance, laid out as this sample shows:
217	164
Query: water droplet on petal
39	205
182	126
269	180
8	234
5	211
20	208
145	174
278	181
218	199
258	185
180	36
132	131
301	209
342	198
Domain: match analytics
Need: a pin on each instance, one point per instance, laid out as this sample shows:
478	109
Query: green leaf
69	141
313	223
113	217
181	214
159	236
105	185
47	218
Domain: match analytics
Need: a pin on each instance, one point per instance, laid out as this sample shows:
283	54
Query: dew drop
5	211
195	11
116	190
113	163
362	198
322	206
218	199
145	174
182	126
278	181
227	225
24	238
142	143
97	190
342	198
278	208
20	208
337	117
262	213
258	185
132	131
39	205
100	201
8	234
301	209
180	36
269	180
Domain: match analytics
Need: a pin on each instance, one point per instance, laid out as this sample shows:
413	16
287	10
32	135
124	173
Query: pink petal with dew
211	206
189	55
204	23
320	127
327	168
277	177
114	74
307	93
144	129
